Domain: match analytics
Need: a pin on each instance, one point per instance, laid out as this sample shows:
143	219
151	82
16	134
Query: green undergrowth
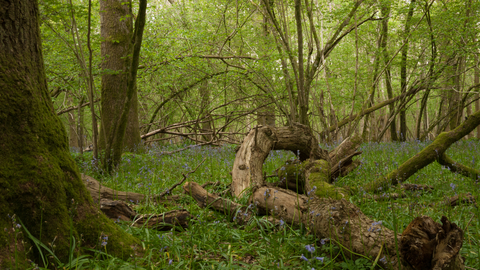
213	242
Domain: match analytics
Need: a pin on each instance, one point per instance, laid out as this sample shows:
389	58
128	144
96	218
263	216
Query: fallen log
426	244
344	223
456	167
164	221
114	204
325	213
433	152
99	192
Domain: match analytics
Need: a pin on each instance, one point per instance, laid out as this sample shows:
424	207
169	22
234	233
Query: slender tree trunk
477	103
388	76
80	126
72	131
117	31
39	180
433	56
403	71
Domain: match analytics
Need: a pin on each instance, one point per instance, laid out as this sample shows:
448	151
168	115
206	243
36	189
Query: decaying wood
247	167
99	192
328	214
344	149
120	210
338	220
164	221
461	199
234	211
426	244
344	166
117	210
114	205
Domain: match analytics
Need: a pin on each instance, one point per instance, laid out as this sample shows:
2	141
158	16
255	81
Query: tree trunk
403	71
39	180
116	31
388	77
476	80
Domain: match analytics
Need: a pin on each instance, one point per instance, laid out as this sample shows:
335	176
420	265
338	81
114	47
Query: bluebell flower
320	258
383	259
453	186
310	248
304	258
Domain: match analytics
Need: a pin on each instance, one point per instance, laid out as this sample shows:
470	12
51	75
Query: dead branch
76	107
181	181
458	167
432	152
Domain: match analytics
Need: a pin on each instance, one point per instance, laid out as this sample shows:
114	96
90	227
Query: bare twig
179	183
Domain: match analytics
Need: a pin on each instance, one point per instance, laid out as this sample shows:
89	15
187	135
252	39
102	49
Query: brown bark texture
114	204
247	171
38	178
324	209
116	31
99	192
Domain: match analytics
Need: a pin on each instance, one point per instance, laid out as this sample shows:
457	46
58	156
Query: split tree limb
247	167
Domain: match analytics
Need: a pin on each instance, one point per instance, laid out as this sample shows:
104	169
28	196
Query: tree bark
247	172
115	141
116	31
336	219
403	71
429	154
39	180
388	76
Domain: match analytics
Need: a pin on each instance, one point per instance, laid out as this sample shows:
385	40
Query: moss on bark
311	176
432	152
39	180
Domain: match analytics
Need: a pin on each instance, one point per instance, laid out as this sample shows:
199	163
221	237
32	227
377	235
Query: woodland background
222	67
144	85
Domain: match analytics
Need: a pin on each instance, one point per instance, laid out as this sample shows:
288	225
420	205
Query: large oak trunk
39	181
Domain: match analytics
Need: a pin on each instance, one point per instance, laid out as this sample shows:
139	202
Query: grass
212	242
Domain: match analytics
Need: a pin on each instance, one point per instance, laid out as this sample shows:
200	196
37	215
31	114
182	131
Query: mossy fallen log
434	151
327	214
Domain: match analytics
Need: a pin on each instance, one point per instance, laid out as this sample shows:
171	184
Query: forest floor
213	242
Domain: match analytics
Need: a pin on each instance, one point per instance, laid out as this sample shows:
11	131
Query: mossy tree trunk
114	145
116	31
39	181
